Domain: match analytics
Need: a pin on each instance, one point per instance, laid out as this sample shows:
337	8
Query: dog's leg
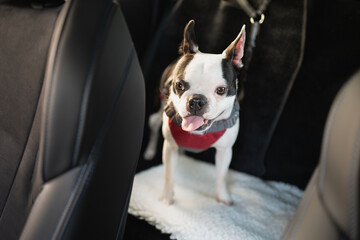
222	160
170	156
154	124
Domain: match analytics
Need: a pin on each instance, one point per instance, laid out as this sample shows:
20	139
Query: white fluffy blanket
261	209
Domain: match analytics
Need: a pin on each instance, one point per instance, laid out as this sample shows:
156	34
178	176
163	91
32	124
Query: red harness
190	141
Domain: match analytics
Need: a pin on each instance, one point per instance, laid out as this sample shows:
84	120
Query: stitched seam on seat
354	170
324	152
88	166
87	88
73	202
56	38
91	162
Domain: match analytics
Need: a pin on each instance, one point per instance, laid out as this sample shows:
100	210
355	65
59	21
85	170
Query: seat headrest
340	157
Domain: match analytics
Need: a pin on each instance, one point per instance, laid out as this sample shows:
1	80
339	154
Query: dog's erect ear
235	51
188	44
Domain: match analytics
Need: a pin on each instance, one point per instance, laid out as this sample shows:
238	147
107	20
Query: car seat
72	105
329	208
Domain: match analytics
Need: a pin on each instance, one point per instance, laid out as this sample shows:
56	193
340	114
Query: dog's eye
220	90
180	86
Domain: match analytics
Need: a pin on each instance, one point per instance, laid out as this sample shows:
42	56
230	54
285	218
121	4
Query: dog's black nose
196	103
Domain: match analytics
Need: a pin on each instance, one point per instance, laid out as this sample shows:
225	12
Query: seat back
330	206
84	130
25	35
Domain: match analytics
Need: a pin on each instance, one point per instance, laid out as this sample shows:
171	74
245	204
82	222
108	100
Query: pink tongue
192	123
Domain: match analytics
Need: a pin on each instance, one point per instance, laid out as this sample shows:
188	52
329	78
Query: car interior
79	79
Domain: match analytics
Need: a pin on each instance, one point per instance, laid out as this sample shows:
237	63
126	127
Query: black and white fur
212	80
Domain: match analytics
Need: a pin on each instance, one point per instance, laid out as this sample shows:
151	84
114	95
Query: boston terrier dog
199	109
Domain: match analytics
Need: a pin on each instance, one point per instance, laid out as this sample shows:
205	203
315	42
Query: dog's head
202	87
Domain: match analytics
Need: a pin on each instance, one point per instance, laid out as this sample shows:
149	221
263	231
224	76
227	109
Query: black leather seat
329	208
71	119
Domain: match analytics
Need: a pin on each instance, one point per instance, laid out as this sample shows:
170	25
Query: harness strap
226	123
257	17
250	11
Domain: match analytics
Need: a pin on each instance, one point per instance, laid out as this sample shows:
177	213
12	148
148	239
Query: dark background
284	111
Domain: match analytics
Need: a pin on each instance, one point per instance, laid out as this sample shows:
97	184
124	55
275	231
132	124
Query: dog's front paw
227	202
167	197
167	201
224	197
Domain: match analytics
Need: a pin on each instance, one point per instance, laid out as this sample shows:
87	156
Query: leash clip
259	18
